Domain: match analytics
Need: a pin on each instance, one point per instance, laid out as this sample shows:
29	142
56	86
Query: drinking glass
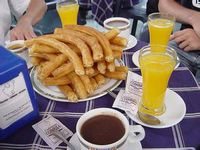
156	69
160	27
68	11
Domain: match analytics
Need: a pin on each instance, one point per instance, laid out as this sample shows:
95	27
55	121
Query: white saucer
175	111
132	41
136	61
128	146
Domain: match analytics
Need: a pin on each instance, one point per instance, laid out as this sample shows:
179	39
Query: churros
89	40
49	66
51	81
116	75
68	92
41	48
119	41
100	36
100	79
101	67
85	51
63	48
111	34
115	47
78	85
63	70
87	83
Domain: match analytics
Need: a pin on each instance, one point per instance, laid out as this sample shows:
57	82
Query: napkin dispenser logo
196	3
18	105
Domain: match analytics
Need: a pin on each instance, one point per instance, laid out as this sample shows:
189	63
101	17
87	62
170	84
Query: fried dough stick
63	70
111	34
41	48
101	67
63	48
68	92
100	79
44	56
47	67
116	75
78	85
89	40
119	41
110	66
116	47
51	81
100	36
117	54
121	69
94	83
85	51
87	83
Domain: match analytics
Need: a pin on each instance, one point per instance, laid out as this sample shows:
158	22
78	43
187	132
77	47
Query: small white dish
22	52
175	111
128	146
135	59
17	43
132	41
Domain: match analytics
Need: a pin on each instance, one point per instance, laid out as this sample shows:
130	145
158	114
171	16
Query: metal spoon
148	119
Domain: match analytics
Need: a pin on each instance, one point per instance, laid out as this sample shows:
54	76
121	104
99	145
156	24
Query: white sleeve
18	7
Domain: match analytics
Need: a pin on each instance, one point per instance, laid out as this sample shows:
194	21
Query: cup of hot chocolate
121	23
106	128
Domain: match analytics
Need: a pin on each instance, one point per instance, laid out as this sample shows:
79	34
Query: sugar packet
128	99
46	125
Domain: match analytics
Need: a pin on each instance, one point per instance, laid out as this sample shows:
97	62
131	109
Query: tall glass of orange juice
68	11
160	27
156	69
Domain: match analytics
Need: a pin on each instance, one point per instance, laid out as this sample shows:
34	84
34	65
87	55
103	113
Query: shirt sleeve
18	7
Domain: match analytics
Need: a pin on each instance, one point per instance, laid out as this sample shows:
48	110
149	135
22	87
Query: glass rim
171	17
170	51
67	1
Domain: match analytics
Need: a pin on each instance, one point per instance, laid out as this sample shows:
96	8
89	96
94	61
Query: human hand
23	30
194	21
187	39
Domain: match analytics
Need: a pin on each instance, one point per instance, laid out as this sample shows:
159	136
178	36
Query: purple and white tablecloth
103	9
184	134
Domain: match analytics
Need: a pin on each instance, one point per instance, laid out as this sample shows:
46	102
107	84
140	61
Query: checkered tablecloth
103	9
184	134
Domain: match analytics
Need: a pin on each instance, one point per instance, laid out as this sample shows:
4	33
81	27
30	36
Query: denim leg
189	59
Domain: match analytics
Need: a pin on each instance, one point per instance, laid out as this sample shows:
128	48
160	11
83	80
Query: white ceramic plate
23	53
128	146
132	41
53	93
136	60
175	111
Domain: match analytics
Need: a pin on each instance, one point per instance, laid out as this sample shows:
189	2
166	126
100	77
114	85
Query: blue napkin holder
18	105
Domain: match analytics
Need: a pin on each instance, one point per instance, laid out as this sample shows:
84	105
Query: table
184	134
103	9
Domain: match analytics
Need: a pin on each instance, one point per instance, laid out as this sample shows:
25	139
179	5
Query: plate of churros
100	83
76	63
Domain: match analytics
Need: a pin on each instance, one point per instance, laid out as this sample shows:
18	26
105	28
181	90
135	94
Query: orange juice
156	70
160	30
68	13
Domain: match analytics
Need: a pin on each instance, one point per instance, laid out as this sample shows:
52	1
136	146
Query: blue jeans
189	59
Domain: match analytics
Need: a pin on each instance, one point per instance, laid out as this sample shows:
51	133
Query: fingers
20	33
184	44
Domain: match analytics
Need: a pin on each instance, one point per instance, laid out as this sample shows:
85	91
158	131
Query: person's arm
24	27
182	14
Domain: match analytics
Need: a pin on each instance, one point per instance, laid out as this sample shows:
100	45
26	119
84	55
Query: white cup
129	134
122	24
